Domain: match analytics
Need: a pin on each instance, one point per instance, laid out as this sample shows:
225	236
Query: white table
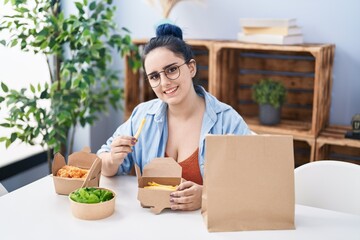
37	212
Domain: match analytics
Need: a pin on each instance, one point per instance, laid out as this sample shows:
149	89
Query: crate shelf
305	71
295	128
304	151
332	145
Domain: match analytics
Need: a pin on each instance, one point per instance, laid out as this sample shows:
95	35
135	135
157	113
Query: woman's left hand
187	197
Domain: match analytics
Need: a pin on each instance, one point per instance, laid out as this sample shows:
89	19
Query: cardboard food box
160	170
83	159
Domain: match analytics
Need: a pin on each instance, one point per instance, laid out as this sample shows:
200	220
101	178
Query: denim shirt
219	118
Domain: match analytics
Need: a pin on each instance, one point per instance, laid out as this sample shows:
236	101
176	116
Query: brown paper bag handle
91	172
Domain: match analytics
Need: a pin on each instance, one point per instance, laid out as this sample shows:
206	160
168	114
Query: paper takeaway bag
248	183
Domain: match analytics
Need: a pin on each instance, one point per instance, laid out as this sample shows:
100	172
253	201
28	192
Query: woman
176	122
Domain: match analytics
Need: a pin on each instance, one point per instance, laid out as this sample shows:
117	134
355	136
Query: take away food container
93	211
83	159
164	171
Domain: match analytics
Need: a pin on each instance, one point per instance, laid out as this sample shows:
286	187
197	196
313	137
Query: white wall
323	21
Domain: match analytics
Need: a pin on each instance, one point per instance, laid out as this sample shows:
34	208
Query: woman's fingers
123	141
185	185
187	197
181	200
120	147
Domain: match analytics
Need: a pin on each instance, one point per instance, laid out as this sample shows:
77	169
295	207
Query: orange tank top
191	169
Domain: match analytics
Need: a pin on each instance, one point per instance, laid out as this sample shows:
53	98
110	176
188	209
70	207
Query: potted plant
83	82
270	95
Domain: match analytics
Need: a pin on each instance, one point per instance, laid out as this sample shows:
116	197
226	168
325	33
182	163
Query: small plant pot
269	115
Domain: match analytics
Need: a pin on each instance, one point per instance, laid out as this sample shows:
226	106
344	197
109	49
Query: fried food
154	185
137	134
72	172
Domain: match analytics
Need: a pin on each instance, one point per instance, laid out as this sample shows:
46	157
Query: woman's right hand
120	147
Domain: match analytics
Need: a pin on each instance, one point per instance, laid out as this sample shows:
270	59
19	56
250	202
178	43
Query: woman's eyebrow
169	65
165	67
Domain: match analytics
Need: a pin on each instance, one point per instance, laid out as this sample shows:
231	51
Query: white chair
3	190
333	185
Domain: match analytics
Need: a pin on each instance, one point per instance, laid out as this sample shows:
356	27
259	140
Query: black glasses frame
165	73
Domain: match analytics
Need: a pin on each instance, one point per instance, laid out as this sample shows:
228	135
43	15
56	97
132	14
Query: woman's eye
171	69
154	77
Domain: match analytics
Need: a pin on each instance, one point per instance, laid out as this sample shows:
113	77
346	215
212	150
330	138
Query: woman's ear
192	67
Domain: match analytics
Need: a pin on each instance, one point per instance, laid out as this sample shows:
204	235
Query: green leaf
3	42
14	43
52	142
42	34
44	94
92	5
79	6
68	85
22	10
83	96
72	69
86	33
32	88
43	45
13	137
8	143
95	53
4	87
36	132
23	44
77	82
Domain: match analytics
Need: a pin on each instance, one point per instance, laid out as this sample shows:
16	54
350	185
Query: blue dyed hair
169	36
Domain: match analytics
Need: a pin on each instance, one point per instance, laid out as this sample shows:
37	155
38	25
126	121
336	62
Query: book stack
270	31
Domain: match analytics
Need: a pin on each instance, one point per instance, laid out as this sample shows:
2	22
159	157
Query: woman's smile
171	91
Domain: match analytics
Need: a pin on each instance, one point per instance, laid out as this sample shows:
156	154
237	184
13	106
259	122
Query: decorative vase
269	115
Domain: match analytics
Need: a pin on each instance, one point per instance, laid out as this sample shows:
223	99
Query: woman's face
160	61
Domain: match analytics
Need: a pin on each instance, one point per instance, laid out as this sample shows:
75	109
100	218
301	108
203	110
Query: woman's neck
188	107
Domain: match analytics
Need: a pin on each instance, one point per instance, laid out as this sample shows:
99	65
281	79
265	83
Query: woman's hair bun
169	29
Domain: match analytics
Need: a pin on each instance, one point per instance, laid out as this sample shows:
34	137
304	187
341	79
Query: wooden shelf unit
228	70
332	144
304	151
305	70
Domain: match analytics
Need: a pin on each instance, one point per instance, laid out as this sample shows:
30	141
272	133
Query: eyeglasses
171	72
